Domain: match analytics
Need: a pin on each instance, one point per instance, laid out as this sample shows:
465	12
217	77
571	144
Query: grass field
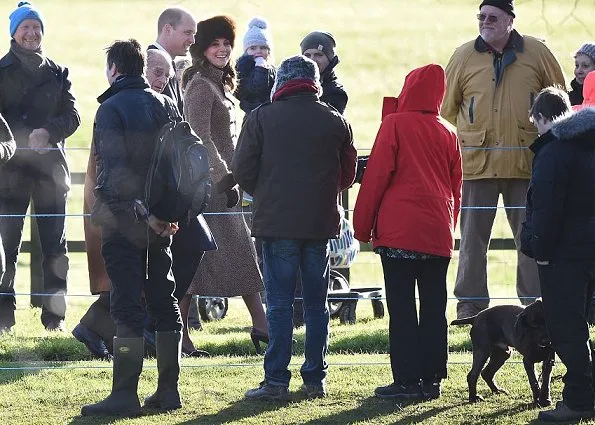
378	43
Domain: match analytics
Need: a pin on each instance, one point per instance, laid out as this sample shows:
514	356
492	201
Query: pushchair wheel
337	283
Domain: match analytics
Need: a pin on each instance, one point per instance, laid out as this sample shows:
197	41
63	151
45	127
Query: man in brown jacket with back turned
295	155
491	84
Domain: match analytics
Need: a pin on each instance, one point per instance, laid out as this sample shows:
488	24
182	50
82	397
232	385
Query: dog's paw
498	390
476	399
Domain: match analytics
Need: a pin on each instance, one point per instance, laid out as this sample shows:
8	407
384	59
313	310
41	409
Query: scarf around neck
33	61
295	86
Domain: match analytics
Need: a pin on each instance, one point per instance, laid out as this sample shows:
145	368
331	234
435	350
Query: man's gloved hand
362	162
227	182
233	197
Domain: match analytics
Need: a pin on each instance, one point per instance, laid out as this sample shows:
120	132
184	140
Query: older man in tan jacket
491	84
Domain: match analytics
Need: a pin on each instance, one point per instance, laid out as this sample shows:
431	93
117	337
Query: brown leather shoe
563	413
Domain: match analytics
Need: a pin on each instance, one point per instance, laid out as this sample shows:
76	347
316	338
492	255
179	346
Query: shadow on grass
373	407
8	376
236	412
104	420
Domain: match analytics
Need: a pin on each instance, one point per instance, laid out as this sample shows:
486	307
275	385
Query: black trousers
418	347
132	269
45	180
567	290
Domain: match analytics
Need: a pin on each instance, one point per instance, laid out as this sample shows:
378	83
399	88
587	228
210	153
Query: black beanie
505	5
322	41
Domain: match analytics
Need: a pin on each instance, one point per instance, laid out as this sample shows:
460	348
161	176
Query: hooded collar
423	90
589	90
580	124
541	141
123	82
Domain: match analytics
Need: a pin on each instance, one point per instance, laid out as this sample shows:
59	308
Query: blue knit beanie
296	68
257	34
24	11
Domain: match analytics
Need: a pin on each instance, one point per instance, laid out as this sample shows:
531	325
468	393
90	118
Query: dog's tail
465	321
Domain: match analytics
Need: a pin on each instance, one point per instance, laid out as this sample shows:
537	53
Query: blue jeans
282	258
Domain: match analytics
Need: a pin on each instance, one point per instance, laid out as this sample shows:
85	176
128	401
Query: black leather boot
167	396
127	366
99	320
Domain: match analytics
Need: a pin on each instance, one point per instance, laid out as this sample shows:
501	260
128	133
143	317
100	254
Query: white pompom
258	23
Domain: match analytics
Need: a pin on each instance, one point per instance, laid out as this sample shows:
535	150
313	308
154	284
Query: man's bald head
159	69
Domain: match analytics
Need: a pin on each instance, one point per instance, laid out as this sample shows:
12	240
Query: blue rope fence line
216	365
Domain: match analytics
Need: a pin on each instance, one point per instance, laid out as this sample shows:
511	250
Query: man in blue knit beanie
24	10
36	101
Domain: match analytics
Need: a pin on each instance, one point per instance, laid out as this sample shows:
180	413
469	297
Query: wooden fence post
35	268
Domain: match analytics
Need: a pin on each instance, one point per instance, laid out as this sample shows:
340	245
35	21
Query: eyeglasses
491	19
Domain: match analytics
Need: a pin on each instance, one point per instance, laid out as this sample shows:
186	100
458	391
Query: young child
256	74
181	64
584	62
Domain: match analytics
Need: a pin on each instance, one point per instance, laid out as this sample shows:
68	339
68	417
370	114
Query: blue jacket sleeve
117	186
548	193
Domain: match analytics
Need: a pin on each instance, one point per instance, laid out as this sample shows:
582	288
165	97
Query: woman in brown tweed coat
209	108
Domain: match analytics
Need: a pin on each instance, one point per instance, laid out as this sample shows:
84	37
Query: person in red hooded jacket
408	205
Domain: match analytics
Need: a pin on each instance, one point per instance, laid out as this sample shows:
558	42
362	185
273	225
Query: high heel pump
257	337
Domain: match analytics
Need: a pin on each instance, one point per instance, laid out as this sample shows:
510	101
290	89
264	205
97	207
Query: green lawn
378	43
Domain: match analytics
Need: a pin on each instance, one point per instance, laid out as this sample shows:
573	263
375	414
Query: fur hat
24	10
257	34
322	41
505	5
210	29
296	68
587	49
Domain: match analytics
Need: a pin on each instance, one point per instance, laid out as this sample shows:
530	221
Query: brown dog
497	329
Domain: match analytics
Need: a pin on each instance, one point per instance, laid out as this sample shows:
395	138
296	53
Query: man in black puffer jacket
135	243
563	244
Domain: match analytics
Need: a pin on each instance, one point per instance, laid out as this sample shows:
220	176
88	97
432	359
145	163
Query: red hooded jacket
588	93
410	196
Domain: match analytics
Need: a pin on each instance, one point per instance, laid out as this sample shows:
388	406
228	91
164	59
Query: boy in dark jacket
321	47
135	243
562	222
550	104
295	173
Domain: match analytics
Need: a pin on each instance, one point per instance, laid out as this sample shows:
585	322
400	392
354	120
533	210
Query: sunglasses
482	17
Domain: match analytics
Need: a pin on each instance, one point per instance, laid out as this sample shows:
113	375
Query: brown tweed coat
98	278
232	269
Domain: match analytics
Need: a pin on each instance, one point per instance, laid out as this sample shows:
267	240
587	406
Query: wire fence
79	179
